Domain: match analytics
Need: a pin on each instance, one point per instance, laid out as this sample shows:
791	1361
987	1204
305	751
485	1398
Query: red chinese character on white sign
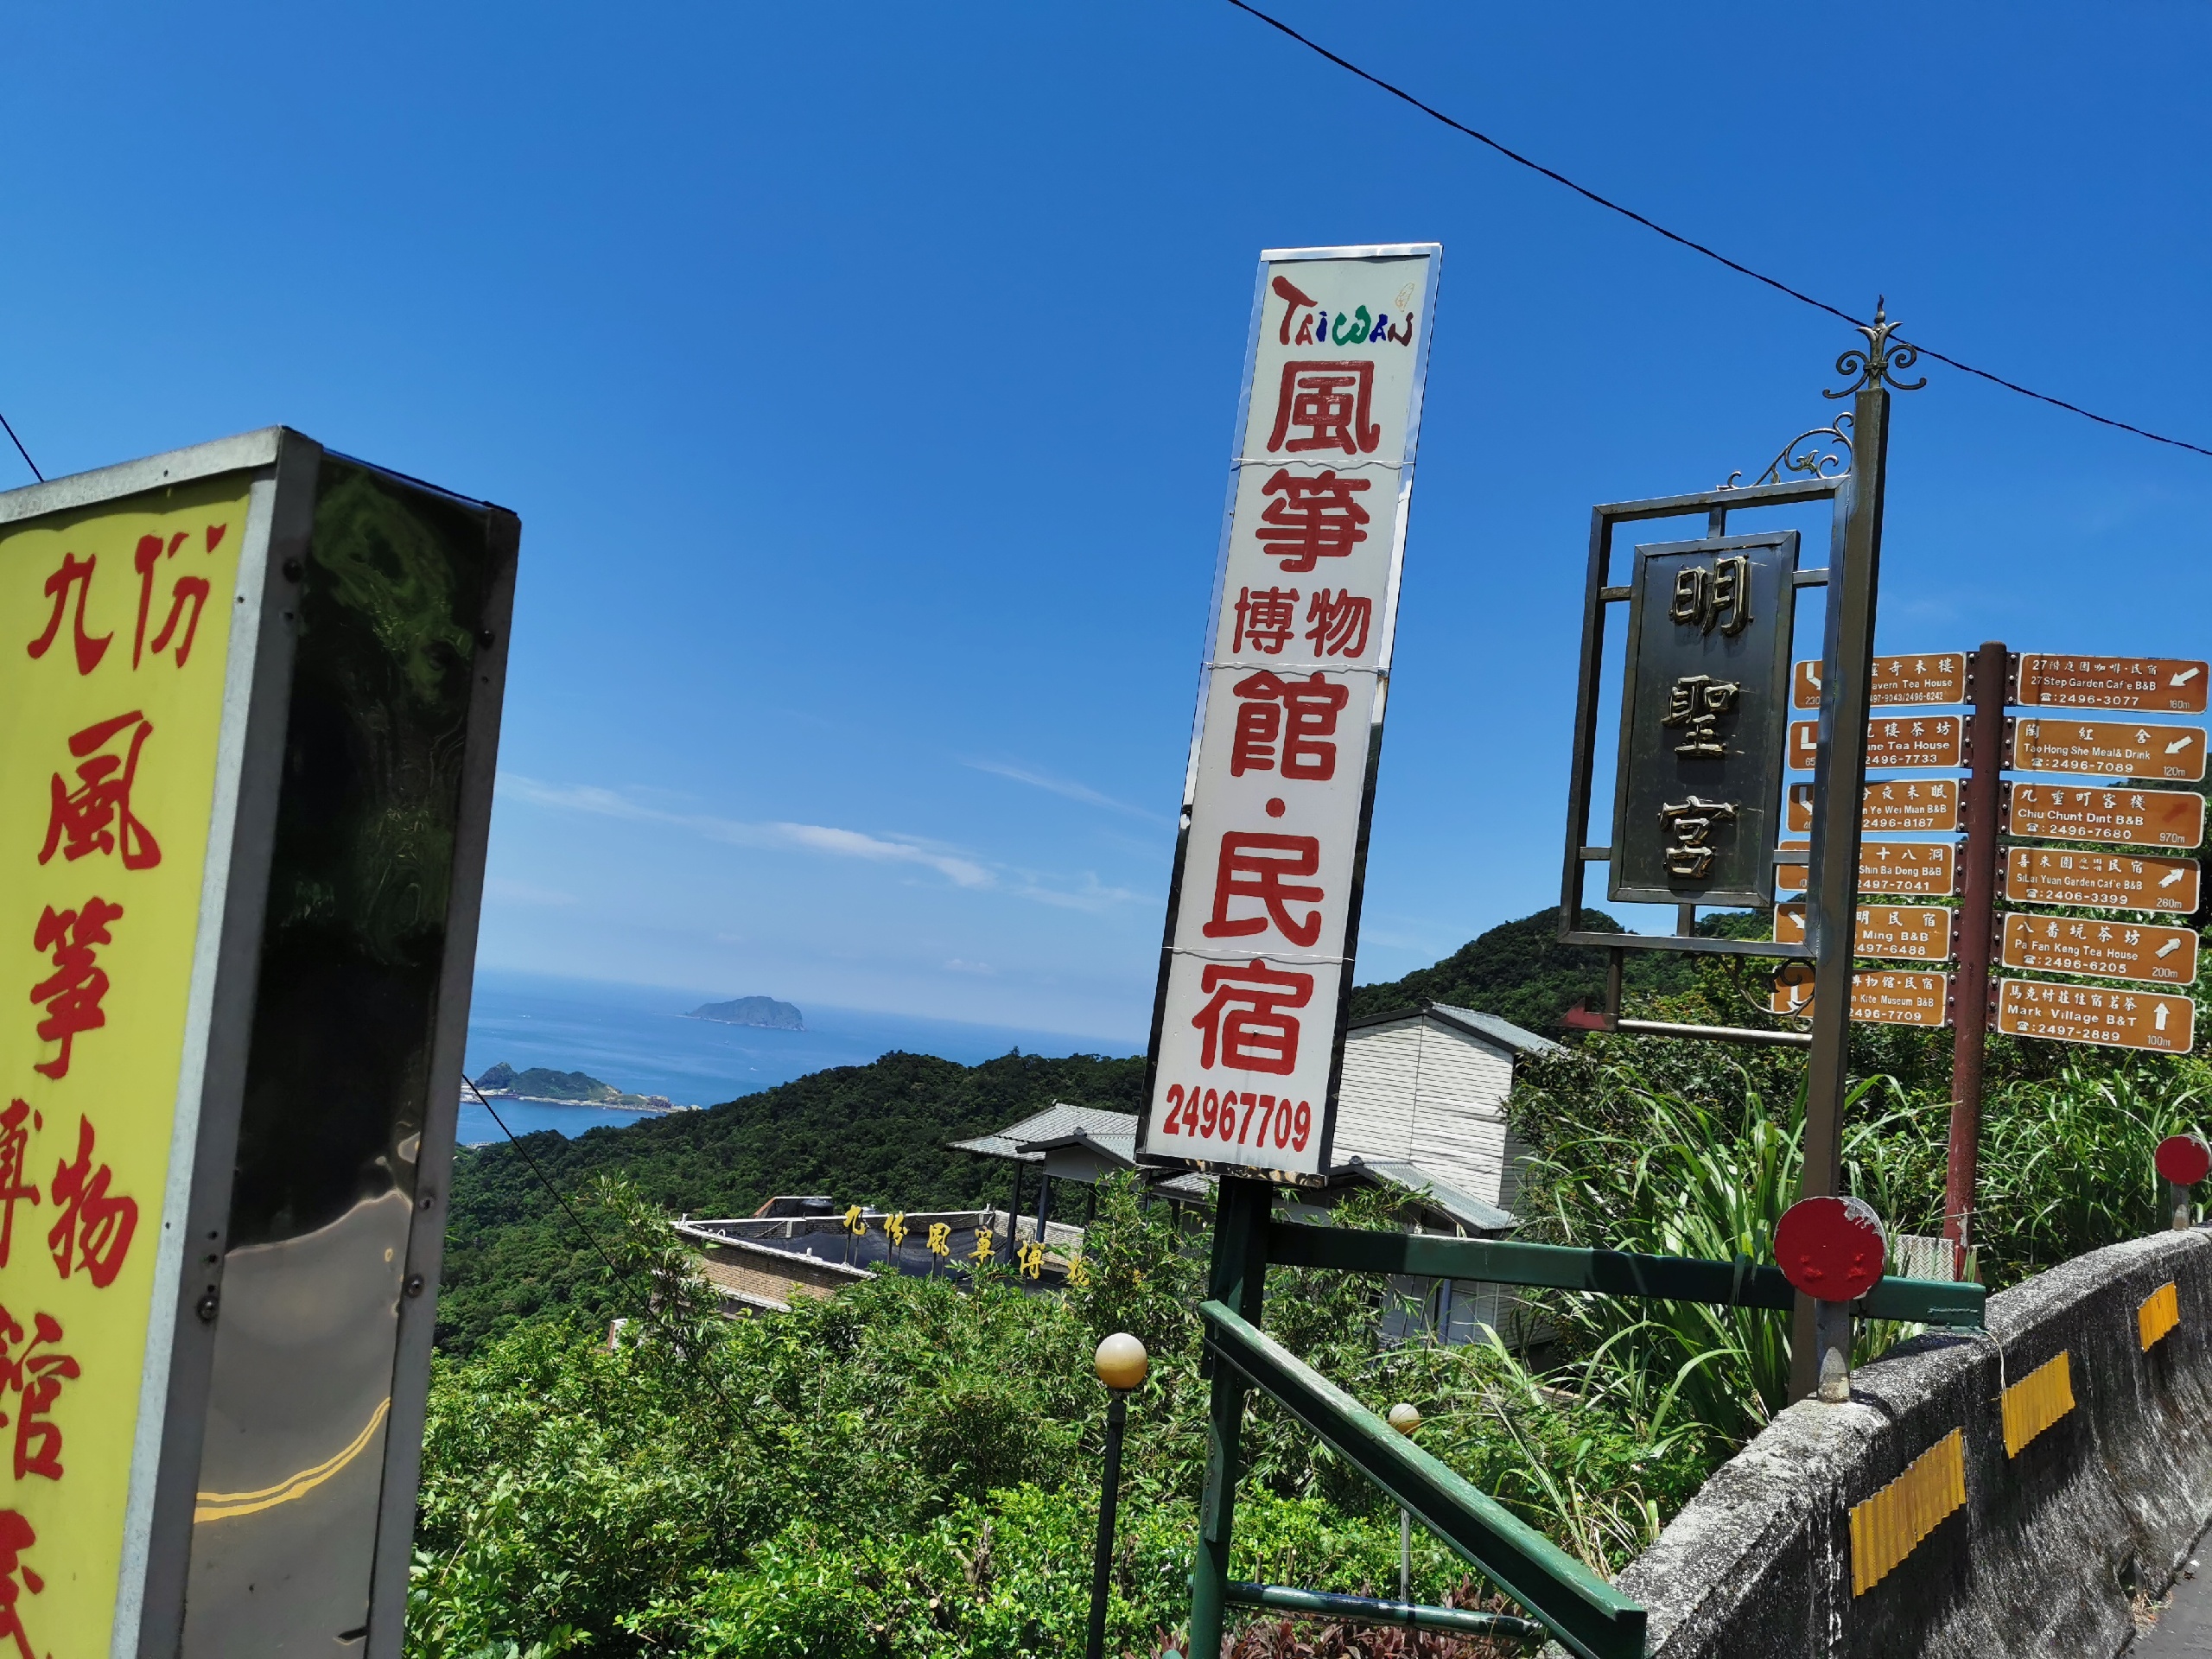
1316	518
1244	1023
1297	713
1329	404
1260	866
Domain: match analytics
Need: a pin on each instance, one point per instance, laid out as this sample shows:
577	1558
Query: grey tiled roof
1115	1131
1112	1132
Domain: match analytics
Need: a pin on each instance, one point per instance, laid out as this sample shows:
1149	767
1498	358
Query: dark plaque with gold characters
1704	704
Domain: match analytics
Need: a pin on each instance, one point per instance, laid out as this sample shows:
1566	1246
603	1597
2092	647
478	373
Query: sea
641	1039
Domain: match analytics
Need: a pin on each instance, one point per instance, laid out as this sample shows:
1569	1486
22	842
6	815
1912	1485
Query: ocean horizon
642	1040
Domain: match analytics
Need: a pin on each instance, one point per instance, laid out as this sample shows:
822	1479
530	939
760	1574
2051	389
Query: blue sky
863	376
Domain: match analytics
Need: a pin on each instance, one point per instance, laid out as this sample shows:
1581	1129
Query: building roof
1463	1208
1112	1134
1115	1135
1486	1027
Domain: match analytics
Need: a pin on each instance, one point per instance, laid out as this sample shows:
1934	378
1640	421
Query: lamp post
1403	1418
1122	1364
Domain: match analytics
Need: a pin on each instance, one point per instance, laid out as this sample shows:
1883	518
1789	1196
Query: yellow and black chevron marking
2036	1401
1889	1526
2160	1313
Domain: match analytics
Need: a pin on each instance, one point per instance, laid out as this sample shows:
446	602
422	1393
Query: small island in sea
763	1011
567	1088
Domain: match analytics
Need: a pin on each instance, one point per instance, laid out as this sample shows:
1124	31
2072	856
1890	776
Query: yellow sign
115	626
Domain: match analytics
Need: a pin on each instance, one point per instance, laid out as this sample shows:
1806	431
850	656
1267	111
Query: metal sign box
249	705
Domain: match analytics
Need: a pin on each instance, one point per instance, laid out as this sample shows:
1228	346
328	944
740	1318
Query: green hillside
872	1134
1520	971
877	1134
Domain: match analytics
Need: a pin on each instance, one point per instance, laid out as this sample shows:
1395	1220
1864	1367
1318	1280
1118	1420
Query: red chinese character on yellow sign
35	1380
15	1154
94	1230
72	993
74	573
96	816
1245	1023
16	1537
191	590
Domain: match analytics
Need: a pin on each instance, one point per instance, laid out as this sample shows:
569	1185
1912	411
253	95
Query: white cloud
955	867
1062	786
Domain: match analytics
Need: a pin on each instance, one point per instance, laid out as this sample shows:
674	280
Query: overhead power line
1694	246
20	450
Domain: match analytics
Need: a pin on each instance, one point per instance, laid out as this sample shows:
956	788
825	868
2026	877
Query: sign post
1838	784
1832	1250
241	887
2183	1161
1977	908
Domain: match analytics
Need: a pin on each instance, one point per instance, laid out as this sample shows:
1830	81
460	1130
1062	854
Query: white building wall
1420	1091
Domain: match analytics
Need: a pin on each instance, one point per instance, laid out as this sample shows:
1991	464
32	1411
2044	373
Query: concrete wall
2049	1546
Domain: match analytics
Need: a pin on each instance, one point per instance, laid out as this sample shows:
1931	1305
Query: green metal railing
1586	1615
1740	1283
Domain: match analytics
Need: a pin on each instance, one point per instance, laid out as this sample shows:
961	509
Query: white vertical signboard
1263	913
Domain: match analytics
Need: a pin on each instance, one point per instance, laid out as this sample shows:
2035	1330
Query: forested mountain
877	1134
872	1134
1520	971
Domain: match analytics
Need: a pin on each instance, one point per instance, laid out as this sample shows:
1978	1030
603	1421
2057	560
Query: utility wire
590	1237
20	450
1741	270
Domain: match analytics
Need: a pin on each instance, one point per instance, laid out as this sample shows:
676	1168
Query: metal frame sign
1263	907
1704	702
240	885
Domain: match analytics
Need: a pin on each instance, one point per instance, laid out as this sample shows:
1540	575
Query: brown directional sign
1879	996
2154	684
1903	806
1925	869
2069	944
1928	869
2106	748
1910	741
1897	933
2125	818
2045	875
1933	677
2081	1013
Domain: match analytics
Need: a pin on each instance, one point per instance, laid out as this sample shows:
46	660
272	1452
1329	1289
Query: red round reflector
1831	1248
2184	1159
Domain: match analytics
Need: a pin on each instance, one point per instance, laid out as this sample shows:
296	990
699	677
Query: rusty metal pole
1977	922
1839	791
